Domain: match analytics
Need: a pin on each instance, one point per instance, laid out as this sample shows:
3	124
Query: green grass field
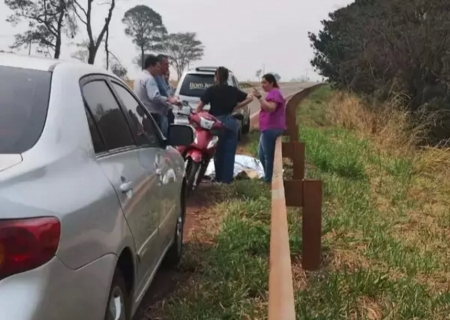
385	237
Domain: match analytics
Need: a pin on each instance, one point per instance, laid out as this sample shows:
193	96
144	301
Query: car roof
27	62
46	64
204	70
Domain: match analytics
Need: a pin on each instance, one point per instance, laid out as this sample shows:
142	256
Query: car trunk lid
9	160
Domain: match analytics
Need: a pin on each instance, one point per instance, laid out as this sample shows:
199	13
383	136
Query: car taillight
26	244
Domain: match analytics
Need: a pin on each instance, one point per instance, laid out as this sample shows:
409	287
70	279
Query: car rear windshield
195	85
24	96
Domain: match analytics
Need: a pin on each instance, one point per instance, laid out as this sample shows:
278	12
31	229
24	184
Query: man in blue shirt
163	86
167	79
164	63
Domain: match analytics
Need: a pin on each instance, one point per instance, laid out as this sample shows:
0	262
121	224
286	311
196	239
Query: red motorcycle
201	151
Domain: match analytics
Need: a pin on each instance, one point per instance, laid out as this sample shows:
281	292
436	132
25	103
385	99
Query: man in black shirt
224	100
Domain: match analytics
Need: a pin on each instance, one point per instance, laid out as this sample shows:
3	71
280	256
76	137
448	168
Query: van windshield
195	85
24	97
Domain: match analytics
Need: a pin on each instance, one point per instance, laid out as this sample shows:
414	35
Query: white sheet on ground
243	165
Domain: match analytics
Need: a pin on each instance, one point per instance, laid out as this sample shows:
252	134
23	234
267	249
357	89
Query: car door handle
126	186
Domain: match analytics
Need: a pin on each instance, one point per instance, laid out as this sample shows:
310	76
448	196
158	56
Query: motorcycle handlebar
184	104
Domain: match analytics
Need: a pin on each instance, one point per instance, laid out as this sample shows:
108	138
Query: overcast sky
242	35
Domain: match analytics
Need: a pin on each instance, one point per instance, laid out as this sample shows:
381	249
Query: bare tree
258	73
82	52
107	48
84	14
117	67
139	61
47	21
182	49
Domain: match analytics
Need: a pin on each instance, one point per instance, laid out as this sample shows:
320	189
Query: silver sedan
92	195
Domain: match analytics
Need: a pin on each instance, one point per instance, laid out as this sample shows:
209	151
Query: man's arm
204	100
168	99
243	99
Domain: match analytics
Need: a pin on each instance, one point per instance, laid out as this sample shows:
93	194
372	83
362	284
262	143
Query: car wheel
175	252
118	307
240	131
246	127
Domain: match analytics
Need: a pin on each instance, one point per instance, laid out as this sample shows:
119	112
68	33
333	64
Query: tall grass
386	226
385	240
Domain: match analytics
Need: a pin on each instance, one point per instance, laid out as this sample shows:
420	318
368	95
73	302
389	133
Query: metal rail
295	192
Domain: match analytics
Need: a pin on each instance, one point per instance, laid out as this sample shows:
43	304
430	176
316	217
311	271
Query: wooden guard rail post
297	192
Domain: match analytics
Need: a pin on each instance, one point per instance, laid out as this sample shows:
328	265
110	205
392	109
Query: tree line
52	21
386	49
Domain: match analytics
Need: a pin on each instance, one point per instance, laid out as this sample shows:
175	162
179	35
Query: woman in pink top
272	122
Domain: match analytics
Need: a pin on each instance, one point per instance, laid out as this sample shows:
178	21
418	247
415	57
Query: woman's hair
222	75
270	78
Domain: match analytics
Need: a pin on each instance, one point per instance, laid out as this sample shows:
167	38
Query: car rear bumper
55	292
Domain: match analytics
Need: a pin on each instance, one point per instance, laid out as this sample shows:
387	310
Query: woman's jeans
226	150
266	150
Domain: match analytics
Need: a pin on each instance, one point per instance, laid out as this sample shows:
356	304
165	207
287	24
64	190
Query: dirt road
286	88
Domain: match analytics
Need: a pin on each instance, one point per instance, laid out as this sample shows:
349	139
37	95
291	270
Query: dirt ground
166	281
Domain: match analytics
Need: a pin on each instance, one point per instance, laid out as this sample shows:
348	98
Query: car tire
175	252
240	132
119	302
246	127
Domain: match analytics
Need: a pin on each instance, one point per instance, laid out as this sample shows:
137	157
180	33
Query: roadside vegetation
386	216
386	225
407	57
245	85
225	262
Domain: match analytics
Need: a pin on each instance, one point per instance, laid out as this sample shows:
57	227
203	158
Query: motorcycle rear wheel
202	171
192	168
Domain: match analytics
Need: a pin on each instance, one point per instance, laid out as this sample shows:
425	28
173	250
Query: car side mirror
180	135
